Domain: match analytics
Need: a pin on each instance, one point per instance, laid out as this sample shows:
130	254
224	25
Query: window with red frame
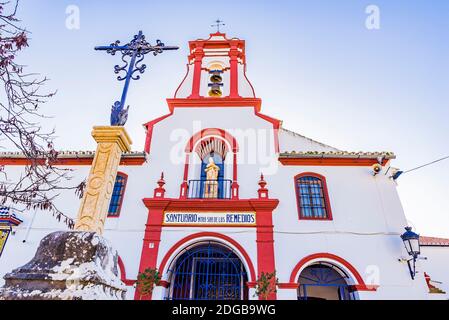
117	195
313	201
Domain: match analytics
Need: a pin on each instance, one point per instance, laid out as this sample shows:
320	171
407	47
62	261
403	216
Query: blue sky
314	64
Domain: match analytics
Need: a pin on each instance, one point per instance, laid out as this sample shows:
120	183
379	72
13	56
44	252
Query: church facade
222	192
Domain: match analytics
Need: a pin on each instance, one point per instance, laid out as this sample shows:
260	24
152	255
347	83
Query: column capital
113	134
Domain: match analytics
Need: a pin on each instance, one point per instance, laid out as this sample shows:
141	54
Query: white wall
367	214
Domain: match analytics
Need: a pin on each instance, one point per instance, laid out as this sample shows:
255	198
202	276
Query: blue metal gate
208	271
323	276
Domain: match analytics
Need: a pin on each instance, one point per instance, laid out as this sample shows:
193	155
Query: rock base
71	265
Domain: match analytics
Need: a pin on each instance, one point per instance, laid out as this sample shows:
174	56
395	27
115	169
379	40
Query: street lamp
411	243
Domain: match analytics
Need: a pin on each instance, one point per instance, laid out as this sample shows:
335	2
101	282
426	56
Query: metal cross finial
217	24
136	50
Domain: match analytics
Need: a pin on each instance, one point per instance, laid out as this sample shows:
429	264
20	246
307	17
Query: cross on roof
217	24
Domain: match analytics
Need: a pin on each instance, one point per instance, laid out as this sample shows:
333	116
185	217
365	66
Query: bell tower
216	75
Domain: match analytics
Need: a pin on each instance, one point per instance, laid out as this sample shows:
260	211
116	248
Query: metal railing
209	189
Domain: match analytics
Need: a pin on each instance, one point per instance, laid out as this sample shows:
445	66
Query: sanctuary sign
237	219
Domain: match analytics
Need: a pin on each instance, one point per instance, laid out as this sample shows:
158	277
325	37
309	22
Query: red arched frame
199	235
121	267
360	284
212	132
200	136
325	194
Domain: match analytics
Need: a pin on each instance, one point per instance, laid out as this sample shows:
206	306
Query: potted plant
266	284
147	280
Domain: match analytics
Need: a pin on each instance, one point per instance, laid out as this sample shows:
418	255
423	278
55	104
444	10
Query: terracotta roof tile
70	154
338	154
433	241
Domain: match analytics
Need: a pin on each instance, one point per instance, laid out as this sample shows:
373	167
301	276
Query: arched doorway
208	271
324	281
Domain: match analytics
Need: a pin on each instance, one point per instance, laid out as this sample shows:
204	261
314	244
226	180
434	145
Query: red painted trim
233	61
121	266
276	125
205	225
199	235
325	193
360	285
265	244
152	235
149	126
226	44
214	102
164	284
10	221
200	136
186	167
171	204
198	54
153	229
234	171
288	285
134	161
119	208
216	44
363	287
212	132
184	79
329	161
249	82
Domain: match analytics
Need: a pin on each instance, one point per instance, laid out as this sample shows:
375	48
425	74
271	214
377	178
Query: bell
215	91
216	83
216	78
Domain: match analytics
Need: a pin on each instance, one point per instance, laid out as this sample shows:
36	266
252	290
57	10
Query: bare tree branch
19	126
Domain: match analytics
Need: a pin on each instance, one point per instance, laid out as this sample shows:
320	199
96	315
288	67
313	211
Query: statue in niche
211	184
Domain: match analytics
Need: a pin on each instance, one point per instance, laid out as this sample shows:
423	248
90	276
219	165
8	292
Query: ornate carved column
112	141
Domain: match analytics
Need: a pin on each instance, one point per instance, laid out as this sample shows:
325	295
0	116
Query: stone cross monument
81	264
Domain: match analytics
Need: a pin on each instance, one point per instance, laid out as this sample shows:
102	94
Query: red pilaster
184	185
152	239
235	185
153	229
265	243
198	54
233	61
265	237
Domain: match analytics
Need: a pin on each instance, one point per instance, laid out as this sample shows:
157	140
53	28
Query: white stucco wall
367	213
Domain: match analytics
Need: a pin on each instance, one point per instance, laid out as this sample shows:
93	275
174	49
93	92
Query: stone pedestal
71	265
78	265
112	141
